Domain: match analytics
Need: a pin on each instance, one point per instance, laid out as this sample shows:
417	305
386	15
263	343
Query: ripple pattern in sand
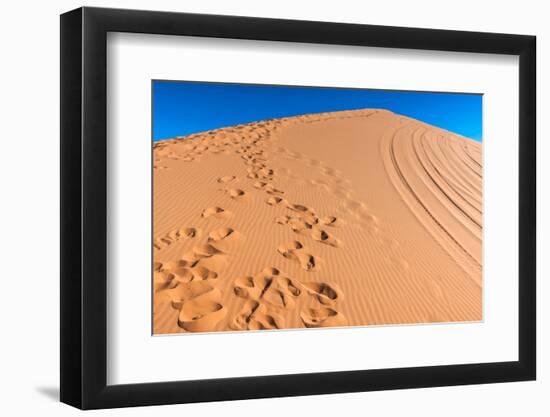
314	222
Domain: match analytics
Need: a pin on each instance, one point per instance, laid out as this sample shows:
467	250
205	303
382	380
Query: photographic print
290	207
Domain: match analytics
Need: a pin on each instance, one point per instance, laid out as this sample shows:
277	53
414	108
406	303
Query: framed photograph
258	208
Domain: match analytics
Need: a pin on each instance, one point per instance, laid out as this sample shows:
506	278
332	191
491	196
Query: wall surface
29	214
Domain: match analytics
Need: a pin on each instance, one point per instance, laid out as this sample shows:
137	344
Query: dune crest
348	218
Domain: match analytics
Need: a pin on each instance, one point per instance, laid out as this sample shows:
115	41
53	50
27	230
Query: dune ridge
356	218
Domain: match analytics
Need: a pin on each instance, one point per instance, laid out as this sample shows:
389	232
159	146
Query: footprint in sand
174	236
244	287
331	221
259	152
287	248
205	250
299	208
368	217
283	220
202	273
267	295
322	317
199	305
321	310
354	206
255	316
270	189
341	192
274	201
266	172
313	162
256	161
323	237
294	251
360	211
206	255
258	165
235	193
324	293
305	219
267	187
171	274
320	183
297	224
219	151
225	239
332	172
163	280
259	173
220	234
214	212
259	185
203	260
226	179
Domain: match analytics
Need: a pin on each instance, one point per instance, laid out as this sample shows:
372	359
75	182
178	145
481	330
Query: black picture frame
84	207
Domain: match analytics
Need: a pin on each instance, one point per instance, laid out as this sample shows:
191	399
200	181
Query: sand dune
351	218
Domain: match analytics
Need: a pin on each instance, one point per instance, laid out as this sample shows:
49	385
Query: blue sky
182	108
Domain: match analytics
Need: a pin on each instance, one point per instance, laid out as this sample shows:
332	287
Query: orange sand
336	219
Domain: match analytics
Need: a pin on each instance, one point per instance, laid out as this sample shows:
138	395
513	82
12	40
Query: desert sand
349	218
